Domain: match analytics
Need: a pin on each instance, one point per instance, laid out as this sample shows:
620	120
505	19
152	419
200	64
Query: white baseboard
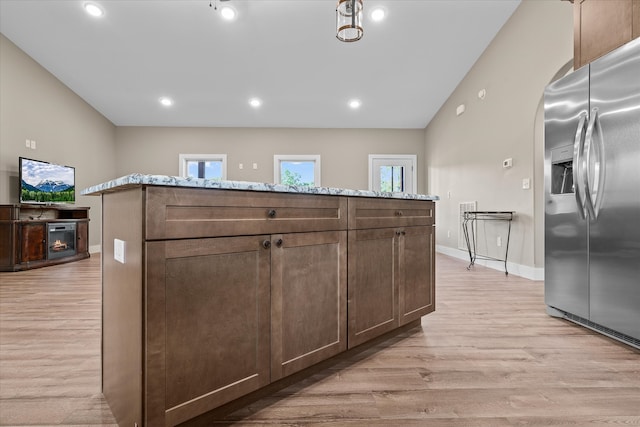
95	249
525	271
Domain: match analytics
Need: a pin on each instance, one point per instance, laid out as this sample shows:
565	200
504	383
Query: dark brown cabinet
211	294
226	290
25	240
82	237
601	26
209	321
308	299
391	270
256	308
33	241
416	253
373	284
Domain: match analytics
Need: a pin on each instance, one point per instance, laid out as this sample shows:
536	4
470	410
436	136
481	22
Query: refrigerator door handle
578	171
599	164
593	184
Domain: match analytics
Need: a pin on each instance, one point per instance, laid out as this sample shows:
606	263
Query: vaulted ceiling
283	52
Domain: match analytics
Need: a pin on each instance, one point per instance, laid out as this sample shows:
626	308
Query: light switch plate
118	250
526	183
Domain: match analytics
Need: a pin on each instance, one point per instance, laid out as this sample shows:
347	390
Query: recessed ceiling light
378	14
167	102
355	103
93	9
228	13
255	102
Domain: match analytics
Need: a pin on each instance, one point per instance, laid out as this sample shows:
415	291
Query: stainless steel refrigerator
592	195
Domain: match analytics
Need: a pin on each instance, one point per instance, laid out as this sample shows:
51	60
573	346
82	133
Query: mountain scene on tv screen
48	191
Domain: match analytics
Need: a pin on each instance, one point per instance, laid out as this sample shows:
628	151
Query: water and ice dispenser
562	170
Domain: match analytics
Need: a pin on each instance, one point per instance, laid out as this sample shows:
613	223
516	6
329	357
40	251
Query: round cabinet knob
266	244
398	213
279	242
271	213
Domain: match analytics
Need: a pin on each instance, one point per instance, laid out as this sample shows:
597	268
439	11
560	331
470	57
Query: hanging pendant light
349	20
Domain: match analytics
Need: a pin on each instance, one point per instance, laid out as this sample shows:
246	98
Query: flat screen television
44	182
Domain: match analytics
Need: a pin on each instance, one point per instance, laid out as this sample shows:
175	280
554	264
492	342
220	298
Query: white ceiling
282	51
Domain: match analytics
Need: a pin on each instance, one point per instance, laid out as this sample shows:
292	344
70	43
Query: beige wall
344	152
464	153
35	105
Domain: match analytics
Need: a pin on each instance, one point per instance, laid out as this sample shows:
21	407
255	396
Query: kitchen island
215	289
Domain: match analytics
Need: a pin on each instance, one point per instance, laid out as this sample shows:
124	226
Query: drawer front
9	212
177	213
382	213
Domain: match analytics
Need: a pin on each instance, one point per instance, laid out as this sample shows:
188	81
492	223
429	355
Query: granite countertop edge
137	179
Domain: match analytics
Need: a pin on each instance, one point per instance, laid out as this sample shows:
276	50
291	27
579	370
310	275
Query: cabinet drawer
9	212
382	213
195	213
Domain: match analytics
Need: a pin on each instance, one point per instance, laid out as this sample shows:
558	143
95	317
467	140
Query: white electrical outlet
240	166
448	233
27	143
255	166
33	144
499	241
526	183
118	250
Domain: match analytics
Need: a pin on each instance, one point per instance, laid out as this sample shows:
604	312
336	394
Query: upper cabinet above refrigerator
600	26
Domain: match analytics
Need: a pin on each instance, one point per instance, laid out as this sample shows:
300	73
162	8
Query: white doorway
395	173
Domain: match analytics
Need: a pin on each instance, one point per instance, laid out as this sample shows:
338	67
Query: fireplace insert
62	240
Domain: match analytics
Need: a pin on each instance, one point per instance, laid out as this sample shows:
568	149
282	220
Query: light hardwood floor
488	356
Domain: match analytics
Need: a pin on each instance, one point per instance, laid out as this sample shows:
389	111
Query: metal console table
468	222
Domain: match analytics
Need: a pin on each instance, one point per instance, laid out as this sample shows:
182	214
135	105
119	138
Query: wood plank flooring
50	346
488	356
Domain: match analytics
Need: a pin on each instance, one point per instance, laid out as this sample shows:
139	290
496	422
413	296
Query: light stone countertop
137	179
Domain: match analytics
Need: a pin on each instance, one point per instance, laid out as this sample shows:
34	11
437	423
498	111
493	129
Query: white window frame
397	157
184	158
278	158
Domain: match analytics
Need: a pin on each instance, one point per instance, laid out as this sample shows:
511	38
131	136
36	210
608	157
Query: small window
209	166
302	170
392	173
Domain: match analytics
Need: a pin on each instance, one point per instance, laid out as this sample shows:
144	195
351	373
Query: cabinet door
7	242
82	237
33	242
308	299
207	324
601	26
373	291
417	273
